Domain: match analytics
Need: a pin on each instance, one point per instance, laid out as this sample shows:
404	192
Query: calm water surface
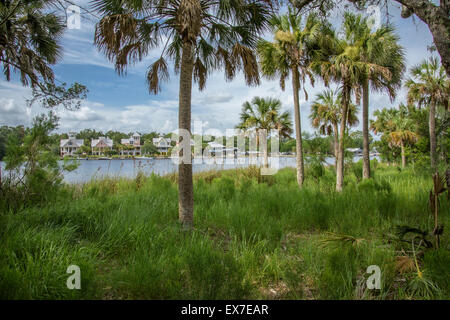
95	169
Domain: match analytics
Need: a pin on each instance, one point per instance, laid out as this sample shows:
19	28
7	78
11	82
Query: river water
95	169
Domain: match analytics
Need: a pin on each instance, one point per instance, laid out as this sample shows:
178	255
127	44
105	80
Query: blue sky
123	102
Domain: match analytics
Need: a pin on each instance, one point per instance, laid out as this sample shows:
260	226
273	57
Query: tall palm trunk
340	163
185	186
365	116
432	124
298	127
402	146
336	144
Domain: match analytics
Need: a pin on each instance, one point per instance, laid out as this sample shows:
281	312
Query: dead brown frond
341	238
244	58
157	72
438	184
223	57
404	264
200	73
118	37
189	19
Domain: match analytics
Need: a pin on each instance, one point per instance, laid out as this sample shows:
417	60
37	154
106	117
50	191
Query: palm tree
29	45
383	124
341	63
290	54
402	136
429	86
265	114
199	36
29	39
384	65
396	125
326	116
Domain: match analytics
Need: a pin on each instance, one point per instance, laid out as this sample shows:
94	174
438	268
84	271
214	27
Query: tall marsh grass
254	237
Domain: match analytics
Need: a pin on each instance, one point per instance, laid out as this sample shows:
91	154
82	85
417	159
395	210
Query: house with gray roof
162	144
70	146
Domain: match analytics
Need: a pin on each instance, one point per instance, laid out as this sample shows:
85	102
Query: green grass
255	238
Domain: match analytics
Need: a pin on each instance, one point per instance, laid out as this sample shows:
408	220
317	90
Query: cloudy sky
123	102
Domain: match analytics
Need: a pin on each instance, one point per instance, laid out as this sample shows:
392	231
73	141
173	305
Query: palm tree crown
326	112
29	39
429	84
292	47
265	113
396	126
221	35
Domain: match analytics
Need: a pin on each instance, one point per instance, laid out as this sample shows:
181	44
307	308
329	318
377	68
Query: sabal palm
29	39
402	136
283	124
397	127
384	65
326	115
265	114
290	54
429	86
342	64
199	36
383	121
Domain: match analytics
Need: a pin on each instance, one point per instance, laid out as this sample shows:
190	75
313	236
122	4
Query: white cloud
83	114
218	106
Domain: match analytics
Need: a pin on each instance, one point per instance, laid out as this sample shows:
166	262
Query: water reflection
95	169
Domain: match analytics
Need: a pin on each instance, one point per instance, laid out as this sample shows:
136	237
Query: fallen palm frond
417	235
341	238
404	264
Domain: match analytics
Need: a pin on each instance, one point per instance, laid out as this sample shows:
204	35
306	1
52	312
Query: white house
134	142
214	147
70	146
356	151
100	145
162	144
218	148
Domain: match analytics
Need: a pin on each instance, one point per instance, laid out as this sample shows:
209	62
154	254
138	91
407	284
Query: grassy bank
255	237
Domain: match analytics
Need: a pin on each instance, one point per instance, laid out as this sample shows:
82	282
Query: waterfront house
100	145
355	151
70	146
131	146
215	148
162	144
